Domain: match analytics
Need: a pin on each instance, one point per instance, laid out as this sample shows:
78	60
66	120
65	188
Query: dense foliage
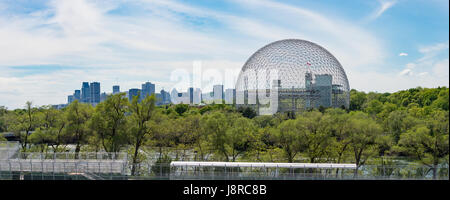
412	123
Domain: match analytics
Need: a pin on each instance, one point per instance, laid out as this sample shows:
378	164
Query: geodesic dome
303	72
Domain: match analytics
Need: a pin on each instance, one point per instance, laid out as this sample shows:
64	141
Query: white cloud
81	32
384	6
422	74
434	48
431	69
406	72
353	46
402	54
441	68
392	82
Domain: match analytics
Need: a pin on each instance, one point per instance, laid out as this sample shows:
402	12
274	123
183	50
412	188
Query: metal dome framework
294	75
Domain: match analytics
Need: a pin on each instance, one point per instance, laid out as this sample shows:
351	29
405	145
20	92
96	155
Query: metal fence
71	156
65	165
368	172
111	166
52	168
112	170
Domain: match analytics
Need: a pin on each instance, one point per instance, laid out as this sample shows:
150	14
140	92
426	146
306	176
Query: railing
85	169
41	167
370	172
104	165
72	156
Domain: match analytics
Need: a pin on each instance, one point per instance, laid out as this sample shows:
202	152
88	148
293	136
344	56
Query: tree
428	142
181	108
363	134
240	136
316	140
374	107
357	100
162	128
141	113
287	137
247	112
442	100
215	126
205	109
40	140
53	128
397	122
193	136
109	123
3	110
26	122
3	113
265	121
77	116
336	122
229	134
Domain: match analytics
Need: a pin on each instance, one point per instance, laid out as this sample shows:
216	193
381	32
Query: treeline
377	127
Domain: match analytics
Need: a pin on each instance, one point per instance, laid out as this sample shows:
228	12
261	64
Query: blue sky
49	47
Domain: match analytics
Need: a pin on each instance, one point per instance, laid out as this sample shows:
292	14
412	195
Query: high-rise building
147	89
197	96
218	93
179	97
174	96
70	99
165	97
133	92
116	89
77	95
183	98
191	95
85	93
103	96
95	93
207	97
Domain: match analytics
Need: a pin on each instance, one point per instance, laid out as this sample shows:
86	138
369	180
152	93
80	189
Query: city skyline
49	46
193	96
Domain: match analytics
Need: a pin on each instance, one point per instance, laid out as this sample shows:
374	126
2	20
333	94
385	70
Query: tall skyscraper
103	96
77	95
197	96
70	99
174	96
191	95
133	92
147	89
116	89
165	97
85	93
218	93
95	93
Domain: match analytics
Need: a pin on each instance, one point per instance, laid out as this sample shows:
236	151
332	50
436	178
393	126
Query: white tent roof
261	165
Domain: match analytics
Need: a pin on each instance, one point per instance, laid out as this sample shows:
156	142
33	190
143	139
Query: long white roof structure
261	165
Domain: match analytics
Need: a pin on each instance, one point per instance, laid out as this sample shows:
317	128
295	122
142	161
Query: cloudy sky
47	48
